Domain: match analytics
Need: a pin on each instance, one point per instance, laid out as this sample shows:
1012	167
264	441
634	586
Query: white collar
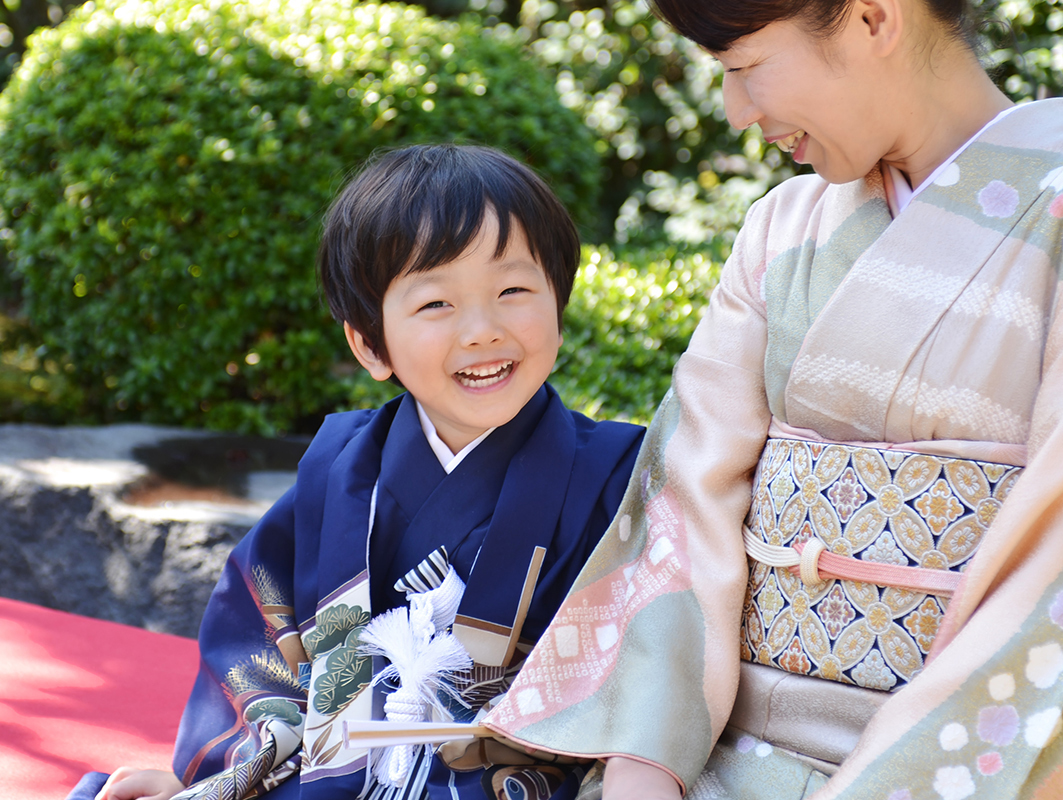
899	193
447	459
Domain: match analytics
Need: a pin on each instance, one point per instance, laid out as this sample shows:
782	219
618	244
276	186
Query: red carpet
80	694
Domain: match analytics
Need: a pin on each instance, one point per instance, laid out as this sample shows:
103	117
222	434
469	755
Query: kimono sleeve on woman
642	658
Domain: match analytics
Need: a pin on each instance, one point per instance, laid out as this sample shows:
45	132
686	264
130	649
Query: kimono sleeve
642	658
247	706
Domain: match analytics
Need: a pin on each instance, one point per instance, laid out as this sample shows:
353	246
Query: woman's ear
883	23
367	357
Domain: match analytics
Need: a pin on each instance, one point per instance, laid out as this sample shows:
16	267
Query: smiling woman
845	85
842	561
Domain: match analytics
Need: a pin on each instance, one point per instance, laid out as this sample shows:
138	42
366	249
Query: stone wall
69	541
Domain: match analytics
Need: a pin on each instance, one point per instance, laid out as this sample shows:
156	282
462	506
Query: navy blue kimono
280	671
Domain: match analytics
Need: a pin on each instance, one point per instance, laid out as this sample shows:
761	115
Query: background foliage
165	168
675	183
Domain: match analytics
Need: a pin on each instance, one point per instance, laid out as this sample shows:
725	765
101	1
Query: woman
883	357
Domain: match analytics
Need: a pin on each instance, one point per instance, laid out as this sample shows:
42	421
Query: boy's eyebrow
418	280
504	264
515	264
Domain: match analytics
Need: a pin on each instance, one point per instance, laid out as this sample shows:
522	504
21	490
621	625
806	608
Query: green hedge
629	319
164	168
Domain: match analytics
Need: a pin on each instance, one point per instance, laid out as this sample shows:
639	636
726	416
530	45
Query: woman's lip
780	137
790	142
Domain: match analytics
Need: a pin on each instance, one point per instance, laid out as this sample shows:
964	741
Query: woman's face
821	101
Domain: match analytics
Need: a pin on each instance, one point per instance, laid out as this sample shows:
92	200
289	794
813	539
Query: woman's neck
949	101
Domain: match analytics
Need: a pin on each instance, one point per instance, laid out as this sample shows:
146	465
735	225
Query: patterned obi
854	553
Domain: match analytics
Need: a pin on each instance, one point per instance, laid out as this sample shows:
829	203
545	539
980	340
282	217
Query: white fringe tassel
421	660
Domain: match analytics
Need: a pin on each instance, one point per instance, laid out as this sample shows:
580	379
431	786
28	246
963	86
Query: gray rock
69	541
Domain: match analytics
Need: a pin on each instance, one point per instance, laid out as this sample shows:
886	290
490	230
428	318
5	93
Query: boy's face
472	339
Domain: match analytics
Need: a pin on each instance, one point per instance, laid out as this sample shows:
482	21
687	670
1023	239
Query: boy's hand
127	783
628	779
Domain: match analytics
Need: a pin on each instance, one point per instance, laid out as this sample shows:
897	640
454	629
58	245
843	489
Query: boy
449	268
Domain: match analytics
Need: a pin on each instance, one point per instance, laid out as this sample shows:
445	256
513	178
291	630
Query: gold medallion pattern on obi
882	506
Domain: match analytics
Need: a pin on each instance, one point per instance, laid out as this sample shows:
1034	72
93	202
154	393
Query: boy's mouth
479	377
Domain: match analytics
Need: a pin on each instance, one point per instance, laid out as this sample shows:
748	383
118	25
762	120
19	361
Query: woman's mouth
482	377
789	143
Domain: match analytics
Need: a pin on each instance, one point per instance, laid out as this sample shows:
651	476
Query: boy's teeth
788	144
482	371
484	376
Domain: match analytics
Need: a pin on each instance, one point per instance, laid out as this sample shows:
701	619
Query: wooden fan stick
366	734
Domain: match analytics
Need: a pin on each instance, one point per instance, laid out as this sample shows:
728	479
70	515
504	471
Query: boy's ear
379	370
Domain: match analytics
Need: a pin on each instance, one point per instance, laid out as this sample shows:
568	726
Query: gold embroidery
885	506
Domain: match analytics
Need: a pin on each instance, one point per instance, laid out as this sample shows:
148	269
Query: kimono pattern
937	332
281	671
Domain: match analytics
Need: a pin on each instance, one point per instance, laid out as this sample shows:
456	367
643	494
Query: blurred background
164	169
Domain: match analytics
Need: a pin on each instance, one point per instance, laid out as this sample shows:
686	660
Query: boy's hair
415	209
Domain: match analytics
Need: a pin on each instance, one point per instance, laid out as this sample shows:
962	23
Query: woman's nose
737	104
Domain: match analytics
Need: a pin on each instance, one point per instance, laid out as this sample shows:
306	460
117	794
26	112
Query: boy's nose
480	327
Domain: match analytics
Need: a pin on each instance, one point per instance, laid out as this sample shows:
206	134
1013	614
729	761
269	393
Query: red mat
80	694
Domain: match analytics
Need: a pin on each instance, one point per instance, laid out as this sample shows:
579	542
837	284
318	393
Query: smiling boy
476	492
473	339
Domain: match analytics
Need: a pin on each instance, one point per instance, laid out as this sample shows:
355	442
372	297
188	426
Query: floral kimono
848	511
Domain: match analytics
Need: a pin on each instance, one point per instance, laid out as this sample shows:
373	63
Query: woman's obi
854	553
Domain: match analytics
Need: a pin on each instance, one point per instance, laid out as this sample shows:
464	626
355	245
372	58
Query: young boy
449	268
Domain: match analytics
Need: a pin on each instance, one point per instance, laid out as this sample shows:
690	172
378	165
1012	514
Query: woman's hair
717	24
418	208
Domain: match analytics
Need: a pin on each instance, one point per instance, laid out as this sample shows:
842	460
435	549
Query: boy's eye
513	290
434	304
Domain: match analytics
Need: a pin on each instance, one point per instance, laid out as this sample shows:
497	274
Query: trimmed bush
164	168
629	320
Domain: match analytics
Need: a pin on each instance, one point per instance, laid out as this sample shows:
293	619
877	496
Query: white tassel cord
421	660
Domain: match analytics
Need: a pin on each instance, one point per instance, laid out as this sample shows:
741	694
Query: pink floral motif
836	612
998	199
900	794
923	623
938	506
990	763
794	659
1055	611
1055	208
847	494
998	725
